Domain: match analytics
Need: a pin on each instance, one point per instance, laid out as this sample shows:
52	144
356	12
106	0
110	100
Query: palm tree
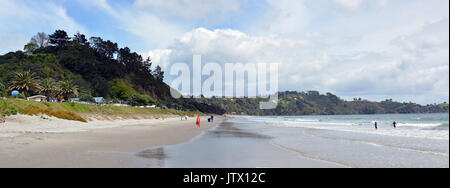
67	89
47	87
24	82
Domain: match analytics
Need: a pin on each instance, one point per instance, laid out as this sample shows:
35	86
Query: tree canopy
59	39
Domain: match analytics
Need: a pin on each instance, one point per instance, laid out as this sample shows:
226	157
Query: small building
53	99
37	98
74	99
99	100
116	104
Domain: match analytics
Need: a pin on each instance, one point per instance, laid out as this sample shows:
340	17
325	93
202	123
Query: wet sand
105	147
229	146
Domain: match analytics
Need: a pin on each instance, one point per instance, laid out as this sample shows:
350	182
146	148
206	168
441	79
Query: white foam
424	125
403	129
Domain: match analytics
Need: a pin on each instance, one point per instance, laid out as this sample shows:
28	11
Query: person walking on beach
198	122
212	119
376	125
394	124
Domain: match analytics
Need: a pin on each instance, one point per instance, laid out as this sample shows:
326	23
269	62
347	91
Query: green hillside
59	66
314	103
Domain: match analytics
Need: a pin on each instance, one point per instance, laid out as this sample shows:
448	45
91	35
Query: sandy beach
421	140
28	141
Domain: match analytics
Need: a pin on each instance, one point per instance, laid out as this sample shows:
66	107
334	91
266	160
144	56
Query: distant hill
314	103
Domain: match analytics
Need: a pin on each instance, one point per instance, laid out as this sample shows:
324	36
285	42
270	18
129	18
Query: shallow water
420	140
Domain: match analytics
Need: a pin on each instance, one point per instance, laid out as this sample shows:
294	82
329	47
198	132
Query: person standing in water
376	125
212	119
198	122
394	124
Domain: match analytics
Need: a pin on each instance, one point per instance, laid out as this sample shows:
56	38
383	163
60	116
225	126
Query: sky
373	49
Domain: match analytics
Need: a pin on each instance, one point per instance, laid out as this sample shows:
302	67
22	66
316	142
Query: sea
329	141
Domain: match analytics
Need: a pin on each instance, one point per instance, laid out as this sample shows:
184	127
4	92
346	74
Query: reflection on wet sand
156	153
228	145
227	129
156	157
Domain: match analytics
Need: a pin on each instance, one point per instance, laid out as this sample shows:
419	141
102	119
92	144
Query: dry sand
27	141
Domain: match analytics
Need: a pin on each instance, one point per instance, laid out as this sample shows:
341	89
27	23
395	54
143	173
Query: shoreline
104	144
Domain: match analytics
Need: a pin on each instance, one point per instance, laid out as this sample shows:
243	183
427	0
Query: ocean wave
305	124
305	120
419	125
409	129
443	126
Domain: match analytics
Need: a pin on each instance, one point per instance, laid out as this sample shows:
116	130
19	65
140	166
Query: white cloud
431	37
285	17
305	65
148	27
358	4
226	45
22	19
188	9
12	42
350	4
159	57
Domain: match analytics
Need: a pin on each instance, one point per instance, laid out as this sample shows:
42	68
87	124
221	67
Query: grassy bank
84	112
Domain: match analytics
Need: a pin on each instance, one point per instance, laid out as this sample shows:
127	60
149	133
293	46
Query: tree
106	49
110	48
148	64
101	86
158	73
132	61
24	82
67	89
59	39
140	100
30	48
80	39
47	87
121	90
40	40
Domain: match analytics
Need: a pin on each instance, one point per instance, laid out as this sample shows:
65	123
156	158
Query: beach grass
62	114
80	112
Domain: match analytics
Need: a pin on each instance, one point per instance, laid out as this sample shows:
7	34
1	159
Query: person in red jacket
198	122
